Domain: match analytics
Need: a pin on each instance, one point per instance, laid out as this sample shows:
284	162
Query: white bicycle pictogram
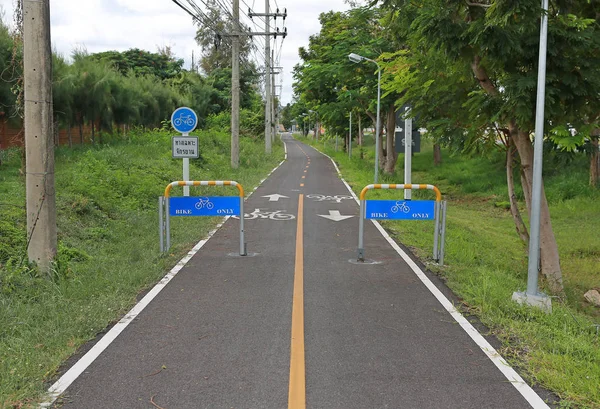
400	206
323	198
273	215
188	120
204	202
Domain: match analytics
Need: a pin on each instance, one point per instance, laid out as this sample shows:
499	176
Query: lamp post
532	296
358	58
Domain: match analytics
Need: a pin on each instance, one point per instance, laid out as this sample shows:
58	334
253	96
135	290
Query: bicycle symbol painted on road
323	198
400	206
272	215
204	202
188	120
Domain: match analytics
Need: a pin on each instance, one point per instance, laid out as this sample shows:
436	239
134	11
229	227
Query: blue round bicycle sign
184	120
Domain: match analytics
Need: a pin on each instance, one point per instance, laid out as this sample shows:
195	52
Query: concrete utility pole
278	106
235	87
268	34
267	81
273	96
39	144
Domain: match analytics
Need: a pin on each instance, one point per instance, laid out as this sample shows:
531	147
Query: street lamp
357	59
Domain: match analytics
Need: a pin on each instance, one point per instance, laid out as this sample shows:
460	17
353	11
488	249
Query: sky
102	25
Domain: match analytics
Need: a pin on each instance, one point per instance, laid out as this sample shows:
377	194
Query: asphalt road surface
296	323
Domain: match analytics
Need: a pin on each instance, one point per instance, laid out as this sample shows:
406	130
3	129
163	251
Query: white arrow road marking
335	216
275	197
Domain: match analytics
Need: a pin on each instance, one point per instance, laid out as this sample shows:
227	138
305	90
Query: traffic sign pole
186	172
407	156
185	120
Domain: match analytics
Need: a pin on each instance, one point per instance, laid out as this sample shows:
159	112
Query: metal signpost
400	134
407	154
405	210
199	206
184	120
407	141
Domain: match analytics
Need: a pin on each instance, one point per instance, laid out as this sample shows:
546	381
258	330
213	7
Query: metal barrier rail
204	183
438	194
163	206
440	225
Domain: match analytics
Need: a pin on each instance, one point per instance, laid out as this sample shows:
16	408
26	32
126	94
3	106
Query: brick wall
14	136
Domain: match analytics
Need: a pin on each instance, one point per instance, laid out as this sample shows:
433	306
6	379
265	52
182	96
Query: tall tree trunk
437	154
93	133
595	159
81	131
550	260
514	208
392	156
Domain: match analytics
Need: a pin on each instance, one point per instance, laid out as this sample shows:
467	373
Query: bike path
375	336
218	335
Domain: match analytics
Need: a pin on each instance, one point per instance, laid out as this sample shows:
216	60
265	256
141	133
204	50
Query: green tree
10	73
220	80
327	82
496	45
162	65
216	45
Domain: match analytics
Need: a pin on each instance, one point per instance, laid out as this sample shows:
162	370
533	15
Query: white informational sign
185	147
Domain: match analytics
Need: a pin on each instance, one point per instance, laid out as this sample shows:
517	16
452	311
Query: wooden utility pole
39	144
235	87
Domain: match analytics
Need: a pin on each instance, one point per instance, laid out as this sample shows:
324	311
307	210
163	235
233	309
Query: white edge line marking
513	377
61	385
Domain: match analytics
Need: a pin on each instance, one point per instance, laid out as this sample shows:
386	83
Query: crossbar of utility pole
265	33
39	141
275	15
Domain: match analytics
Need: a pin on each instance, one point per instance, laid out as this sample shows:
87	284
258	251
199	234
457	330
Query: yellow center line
303	176
297	389
301	184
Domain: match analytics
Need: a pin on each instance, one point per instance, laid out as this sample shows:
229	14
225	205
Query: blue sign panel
204	206
400	209
184	120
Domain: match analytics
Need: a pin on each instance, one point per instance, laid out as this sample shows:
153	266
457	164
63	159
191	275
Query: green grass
485	261
108	245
